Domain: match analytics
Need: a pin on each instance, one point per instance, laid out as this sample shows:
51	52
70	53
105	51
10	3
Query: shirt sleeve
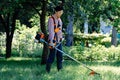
51	29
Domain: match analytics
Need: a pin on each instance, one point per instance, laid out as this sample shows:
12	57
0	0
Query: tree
38	6
112	12
8	18
43	28
69	13
114	37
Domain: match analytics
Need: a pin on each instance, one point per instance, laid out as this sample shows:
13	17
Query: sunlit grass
112	69
30	69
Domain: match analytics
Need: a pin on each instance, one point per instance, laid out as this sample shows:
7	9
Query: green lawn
30	69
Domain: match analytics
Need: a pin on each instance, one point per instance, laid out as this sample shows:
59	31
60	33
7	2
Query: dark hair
58	8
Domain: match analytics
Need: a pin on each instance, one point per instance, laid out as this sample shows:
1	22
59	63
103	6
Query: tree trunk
8	45
44	54
69	30
114	37
86	26
9	25
43	28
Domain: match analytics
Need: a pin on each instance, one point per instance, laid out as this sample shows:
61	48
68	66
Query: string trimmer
40	38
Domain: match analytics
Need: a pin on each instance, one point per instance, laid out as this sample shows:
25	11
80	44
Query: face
59	13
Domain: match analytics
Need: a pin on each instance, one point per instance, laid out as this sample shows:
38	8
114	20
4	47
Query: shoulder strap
54	21
55	36
55	26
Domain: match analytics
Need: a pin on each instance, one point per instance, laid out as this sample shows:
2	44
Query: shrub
106	41
91	38
95	53
24	45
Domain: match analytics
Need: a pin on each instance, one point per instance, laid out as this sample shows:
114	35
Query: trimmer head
92	73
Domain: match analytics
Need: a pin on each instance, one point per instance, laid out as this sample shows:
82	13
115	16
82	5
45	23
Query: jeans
51	57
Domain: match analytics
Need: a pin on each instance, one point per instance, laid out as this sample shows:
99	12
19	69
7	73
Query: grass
30	69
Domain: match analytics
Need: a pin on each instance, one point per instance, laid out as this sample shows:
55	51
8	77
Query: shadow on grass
21	69
20	61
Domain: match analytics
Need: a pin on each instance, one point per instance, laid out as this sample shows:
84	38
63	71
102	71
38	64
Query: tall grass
30	69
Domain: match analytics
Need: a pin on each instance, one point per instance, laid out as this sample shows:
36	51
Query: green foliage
24	42
24	46
90	38
2	44
99	53
106	41
12	6
81	9
35	20
92	9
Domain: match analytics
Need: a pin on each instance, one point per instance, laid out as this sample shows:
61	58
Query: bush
95	53
106	42
24	45
90	38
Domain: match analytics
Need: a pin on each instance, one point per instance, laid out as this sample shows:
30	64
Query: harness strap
55	26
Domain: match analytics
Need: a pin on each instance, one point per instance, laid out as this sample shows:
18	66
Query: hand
51	45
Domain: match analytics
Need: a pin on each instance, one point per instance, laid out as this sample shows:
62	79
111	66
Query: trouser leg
50	60
59	58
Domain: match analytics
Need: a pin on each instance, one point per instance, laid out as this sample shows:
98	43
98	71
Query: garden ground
30	69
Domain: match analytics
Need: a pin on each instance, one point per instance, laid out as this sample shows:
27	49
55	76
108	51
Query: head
58	11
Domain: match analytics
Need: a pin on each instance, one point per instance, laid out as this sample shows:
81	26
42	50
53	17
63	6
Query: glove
57	30
51	45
